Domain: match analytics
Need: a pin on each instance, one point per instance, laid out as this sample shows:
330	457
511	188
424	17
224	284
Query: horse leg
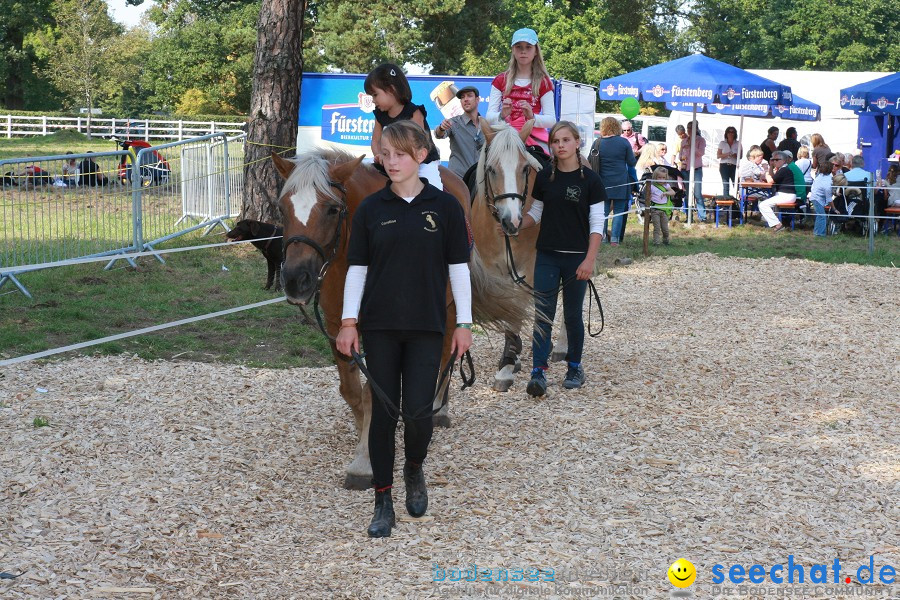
561	347
509	363
442	417
358	475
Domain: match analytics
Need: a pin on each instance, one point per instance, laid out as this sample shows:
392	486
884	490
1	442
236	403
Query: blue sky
129	15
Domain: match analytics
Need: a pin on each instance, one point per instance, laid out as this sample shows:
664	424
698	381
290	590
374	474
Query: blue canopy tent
700	81
800	110
877	103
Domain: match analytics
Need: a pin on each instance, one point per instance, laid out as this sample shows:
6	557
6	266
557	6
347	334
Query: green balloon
630	108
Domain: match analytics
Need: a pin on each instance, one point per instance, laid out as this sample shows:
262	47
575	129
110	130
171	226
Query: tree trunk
274	104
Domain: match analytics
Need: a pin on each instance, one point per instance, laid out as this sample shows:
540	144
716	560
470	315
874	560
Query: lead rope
520	280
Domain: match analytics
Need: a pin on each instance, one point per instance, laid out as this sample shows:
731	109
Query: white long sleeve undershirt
460	286
595	218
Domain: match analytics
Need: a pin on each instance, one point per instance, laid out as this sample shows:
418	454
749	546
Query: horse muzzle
509	228
300	283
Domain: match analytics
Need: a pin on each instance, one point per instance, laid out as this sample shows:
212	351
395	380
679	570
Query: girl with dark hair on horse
568	202
392	96
524	91
405	242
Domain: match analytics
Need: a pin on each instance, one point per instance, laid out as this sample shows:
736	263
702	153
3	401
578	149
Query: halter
489	195
335	240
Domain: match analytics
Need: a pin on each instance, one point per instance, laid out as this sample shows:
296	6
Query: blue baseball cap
524	35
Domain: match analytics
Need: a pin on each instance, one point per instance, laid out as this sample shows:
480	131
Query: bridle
491	199
335	243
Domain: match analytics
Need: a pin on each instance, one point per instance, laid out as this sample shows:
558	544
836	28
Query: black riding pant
405	365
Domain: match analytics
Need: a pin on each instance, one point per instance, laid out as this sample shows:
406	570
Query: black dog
271	249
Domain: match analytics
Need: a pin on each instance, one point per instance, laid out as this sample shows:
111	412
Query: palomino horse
505	172
321	193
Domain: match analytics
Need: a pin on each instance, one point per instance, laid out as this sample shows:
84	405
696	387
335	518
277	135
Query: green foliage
79	50
814	34
20	82
196	102
40	422
211	53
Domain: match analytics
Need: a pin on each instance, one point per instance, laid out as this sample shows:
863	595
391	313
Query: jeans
405	364
728	173
618	222
550	270
698	190
821	219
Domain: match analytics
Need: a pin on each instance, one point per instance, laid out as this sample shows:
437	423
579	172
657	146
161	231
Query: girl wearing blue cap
524	91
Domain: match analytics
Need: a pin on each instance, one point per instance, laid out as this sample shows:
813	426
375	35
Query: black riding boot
383	519
416	492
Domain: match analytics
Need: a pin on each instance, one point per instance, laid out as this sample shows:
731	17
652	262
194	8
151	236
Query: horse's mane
506	142
311	171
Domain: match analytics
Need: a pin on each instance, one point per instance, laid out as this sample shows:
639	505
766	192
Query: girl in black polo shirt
568	202
406	240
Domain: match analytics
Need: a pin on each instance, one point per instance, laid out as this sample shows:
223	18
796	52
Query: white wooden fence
146	129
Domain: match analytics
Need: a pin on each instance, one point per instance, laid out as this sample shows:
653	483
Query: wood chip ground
736	412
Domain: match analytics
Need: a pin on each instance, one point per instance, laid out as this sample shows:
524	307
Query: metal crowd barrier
58	208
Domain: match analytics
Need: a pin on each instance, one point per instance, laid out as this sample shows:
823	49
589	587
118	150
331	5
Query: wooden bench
726	204
791	207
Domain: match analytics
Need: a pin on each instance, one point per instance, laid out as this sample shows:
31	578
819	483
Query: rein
520	280
446	372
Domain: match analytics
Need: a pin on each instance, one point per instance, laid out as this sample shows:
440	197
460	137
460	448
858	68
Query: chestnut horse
320	196
505	173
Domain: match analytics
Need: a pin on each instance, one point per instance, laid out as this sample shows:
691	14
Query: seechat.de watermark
790	578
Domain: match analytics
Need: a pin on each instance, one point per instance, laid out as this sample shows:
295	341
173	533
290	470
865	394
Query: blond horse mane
505	143
311	171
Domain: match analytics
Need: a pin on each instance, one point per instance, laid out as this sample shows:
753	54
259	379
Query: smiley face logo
682	573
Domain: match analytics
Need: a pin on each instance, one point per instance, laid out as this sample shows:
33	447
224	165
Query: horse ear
526	130
487	130
343	171
283	166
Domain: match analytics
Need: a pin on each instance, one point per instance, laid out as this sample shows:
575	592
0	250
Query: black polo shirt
565	222
407	247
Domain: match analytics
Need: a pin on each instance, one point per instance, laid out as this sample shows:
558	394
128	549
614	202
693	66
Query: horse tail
497	302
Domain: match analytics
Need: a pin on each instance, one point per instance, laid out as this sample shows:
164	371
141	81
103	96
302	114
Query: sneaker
574	378
538	385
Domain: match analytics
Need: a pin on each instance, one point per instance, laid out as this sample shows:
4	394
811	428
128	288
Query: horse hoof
357	482
440	420
558	356
502	385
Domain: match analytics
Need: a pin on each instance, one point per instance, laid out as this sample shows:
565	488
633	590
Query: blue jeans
618	223
551	269
698	190
821	220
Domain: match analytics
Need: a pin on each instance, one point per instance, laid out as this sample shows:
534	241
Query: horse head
314	210
504	170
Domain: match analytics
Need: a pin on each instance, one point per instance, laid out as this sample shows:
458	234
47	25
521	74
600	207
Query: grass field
49	145
83	302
